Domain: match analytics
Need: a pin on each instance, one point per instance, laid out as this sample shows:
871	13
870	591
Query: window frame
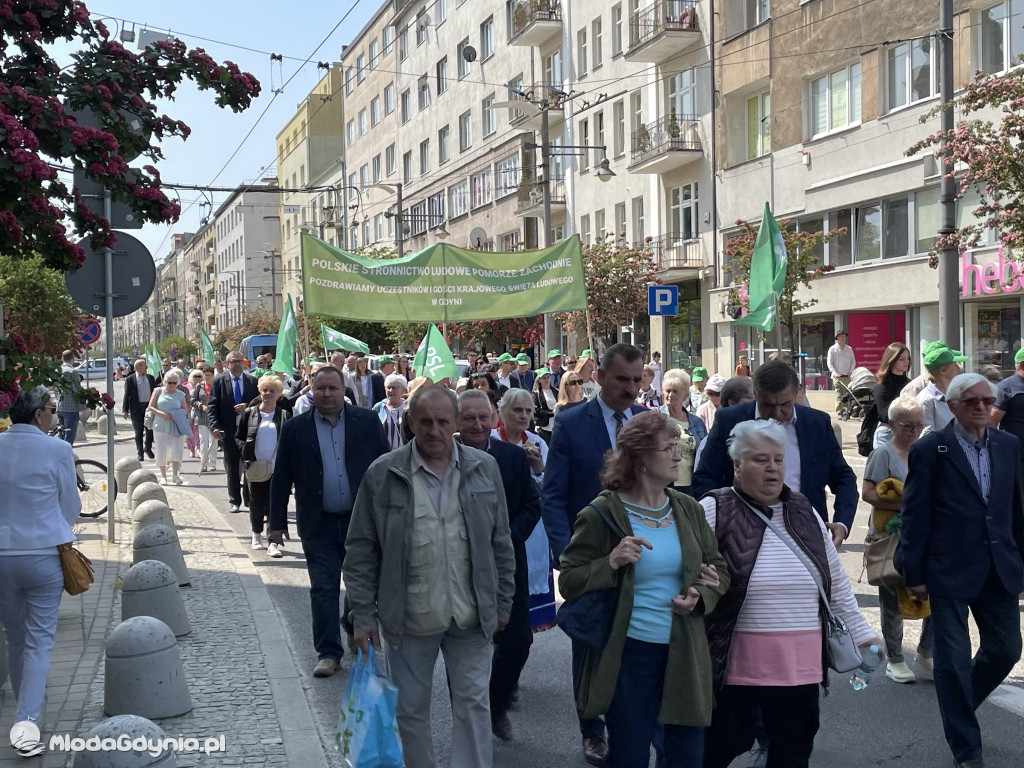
908	69
488	119
486	38
444	144
463	67
441	69
466	131
763	130
853	100
581	53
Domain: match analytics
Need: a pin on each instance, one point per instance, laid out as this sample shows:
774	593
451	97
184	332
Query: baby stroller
856	397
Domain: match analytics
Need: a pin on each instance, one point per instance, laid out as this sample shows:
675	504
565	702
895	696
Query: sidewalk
238	665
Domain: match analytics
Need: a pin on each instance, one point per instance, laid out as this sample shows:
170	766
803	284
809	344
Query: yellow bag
911	608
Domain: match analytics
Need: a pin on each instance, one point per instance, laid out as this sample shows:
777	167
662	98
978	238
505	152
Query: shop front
992	291
683	331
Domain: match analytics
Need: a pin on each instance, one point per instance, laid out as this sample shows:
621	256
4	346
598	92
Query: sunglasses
974	402
574	383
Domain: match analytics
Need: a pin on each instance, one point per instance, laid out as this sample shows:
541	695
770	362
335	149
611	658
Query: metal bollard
158	542
133	727
138	477
123	470
143	671
150	588
146	492
152	512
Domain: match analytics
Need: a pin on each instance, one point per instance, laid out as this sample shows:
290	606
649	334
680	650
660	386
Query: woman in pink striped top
765	636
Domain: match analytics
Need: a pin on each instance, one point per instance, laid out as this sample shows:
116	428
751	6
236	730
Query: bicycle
92	487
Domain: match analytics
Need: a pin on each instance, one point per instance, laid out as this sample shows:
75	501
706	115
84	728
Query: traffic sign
662	300
134	277
88	332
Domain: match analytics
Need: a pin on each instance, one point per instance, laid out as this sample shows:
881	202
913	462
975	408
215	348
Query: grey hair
677	375
474	394
174	373
746	433
964	381
514	397
904	406
27	403
396	378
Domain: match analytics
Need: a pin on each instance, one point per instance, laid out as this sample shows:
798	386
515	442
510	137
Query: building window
599	230
507	176
553	70
463	65
442	76
350	81
616	30
389	160
417	219
896	220
441	9
759	140
599	154
835	100
376	169
406	106
487	118
581	52
362	122
927	217
375	111
350	133
911	74
407	167
403	44
353	191
619	115
510	242
444	145
435	209
755	12
423	92
639	225
361	67
596	42
388	37
515	91
620	223
421	28
1001	36
636	113
585	229
487	39
424	157
374	53
364	175
389	98
465	131
683	218
482	191
458	199
584	140
378	227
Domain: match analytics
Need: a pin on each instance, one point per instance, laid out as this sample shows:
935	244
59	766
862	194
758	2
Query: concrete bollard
101	424
80	435
146	492
143	672
152	512
158	542
138	477
133	727
123	470
150	588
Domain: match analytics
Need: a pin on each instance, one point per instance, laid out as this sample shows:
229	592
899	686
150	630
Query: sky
294	30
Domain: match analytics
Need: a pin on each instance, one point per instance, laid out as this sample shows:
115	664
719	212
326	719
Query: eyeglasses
574	383
675	450
913	426
974	402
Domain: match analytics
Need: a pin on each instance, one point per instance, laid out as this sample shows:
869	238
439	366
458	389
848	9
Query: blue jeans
632	718
30	590
323	543
963	683
68	421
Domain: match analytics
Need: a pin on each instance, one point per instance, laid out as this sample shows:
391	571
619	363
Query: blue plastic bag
367	734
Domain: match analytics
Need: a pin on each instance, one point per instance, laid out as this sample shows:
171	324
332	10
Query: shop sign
1000	276
871	332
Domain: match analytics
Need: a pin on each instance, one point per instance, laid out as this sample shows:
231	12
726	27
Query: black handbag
588	618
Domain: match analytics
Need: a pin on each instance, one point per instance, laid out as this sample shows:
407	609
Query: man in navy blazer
814	459
572	477
230	395
961	544
350	438
138	388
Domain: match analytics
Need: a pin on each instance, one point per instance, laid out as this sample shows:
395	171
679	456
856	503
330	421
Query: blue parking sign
662	300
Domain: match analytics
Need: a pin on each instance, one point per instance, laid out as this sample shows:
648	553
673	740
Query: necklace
651	522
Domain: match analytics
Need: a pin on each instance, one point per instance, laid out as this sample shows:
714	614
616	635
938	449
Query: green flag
337	340
153	359
287	336
433	358
767	275
208	354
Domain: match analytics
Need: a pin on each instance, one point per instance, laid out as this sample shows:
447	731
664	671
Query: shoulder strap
607	518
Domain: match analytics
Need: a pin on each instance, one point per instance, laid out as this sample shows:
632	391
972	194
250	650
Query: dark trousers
323	543
963	683
591	726
633	716
233	469
259	505
143	436
790	721
512	644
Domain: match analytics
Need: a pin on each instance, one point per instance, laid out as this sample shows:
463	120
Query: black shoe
150	453
501	727
595	750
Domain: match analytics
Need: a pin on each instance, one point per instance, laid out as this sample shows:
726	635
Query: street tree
984	156
37	306
185	347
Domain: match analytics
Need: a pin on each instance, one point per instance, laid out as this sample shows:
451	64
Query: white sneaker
274	550
899	672
257	541
177	480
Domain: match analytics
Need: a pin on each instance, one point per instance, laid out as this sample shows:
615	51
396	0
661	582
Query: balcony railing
676	251
669	134
663	15
528	12
531	194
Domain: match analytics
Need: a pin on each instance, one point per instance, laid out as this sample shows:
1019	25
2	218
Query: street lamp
396	190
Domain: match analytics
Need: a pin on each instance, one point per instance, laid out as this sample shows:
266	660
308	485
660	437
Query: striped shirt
977	454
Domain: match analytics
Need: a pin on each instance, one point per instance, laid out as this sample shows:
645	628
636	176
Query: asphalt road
884	725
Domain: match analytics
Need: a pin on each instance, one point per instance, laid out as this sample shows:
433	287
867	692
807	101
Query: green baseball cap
385	359
506	358
584	353
942	355
1019	356
932	345
554	353
543	372
523	358
700	373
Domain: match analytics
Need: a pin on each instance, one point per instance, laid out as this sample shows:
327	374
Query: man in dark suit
572	477
961	544
167	365
138	388
231	392
324	453
477	418
814	458
385	367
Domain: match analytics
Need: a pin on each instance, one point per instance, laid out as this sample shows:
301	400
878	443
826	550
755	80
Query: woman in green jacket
669	574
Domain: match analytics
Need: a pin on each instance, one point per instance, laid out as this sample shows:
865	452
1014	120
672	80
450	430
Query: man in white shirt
841	363
655	366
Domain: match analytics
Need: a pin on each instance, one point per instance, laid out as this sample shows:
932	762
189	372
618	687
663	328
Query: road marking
1009	697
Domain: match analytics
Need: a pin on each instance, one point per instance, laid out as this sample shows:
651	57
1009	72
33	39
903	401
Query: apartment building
816	113
197	276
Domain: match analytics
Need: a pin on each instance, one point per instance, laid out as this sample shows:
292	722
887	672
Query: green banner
287	337
209	356
768	264
442	283
434	358
337	340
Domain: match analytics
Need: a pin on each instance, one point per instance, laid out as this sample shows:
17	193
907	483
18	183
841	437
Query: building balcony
530	198
665	30
676	257
536	22
666	145
529	117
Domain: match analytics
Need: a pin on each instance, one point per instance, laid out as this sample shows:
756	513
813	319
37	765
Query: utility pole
949	299
399	223
552	332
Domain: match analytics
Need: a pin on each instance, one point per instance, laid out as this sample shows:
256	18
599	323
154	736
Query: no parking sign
88	332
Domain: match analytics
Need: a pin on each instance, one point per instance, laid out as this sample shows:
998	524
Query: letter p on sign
662	300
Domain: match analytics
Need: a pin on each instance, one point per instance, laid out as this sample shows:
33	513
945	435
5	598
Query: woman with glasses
170	406
888	462
892	378
570	392
668	575
676	386
485	381
403	367
257	437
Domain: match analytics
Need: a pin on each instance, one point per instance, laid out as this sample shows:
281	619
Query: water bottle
870	659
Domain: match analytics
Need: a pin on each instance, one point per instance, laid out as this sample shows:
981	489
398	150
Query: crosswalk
1009	697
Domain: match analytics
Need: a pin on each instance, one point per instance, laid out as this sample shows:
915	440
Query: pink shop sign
1001	276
